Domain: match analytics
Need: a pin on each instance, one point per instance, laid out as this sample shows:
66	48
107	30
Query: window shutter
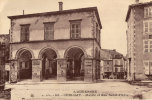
24	33
146	12
48	31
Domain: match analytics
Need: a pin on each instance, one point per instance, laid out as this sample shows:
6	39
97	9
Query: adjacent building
61	45
113	64
4	55
139	41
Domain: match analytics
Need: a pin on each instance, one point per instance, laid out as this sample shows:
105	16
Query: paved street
86	91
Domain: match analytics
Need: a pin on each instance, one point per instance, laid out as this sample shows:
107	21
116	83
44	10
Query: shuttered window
48	31
25	33
75	29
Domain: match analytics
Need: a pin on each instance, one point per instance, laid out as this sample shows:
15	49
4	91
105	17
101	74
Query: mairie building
61	45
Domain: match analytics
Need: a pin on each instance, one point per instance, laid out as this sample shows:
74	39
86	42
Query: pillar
62	70
89	68
36	70
13	71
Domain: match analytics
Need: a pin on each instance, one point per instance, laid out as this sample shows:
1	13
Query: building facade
119	68
139	42
113	64
4	55
62	45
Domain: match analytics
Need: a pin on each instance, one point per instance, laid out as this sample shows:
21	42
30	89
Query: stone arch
21	50
75	56
47	48
66	51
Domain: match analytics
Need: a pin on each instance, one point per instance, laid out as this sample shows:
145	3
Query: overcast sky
112	14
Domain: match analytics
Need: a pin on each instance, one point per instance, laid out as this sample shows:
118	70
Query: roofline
109	50
4	34
60	12
135	5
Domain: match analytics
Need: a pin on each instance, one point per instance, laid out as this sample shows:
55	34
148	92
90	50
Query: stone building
62	45
4	55
113	64
139	41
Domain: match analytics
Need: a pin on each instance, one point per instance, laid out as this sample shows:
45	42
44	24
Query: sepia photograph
75	49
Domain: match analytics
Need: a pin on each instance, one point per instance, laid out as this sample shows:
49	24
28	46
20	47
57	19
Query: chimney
60	6
137	1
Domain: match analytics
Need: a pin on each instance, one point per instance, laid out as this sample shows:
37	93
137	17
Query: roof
114	54
60	12
135	5
111	51
4	34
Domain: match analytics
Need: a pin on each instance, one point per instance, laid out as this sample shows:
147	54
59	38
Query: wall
61	26
60	47
139	12
130	44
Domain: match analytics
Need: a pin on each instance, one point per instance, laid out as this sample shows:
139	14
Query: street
107	89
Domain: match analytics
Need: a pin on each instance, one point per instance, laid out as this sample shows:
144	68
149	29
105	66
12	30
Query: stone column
62	70
36	70
88	70
13	71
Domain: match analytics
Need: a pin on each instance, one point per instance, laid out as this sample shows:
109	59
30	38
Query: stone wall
61	26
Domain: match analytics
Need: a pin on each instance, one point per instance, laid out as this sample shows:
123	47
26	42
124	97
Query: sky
112	15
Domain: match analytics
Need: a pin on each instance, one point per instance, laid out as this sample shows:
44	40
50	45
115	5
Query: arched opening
75	66
25	64
49	64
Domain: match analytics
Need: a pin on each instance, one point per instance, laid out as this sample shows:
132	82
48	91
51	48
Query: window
75	29
116	69
147	12
150	36
148	67
147	27
49	31
121	69
25	33
107	69
148	45
107	62
145	46
116	62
